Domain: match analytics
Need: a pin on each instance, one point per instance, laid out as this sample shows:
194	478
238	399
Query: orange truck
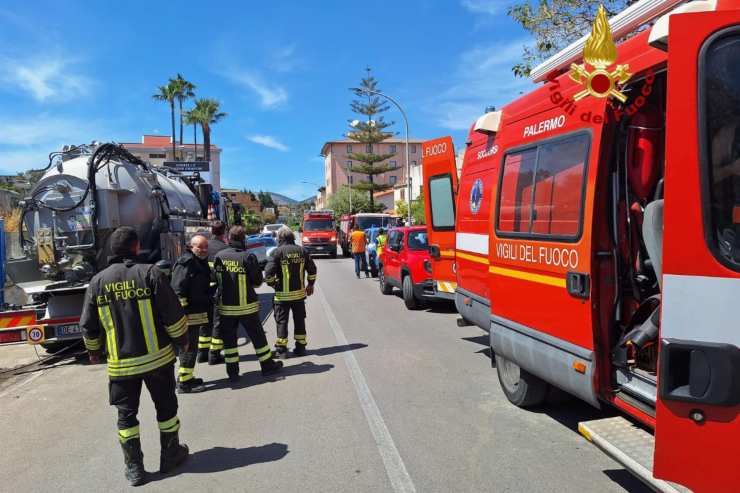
598	220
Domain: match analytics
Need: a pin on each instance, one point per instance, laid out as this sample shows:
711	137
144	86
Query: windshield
365	222
273	227
318	225
418	240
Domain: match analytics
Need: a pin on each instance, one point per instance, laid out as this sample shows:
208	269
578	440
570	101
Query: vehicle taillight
305	239
333	238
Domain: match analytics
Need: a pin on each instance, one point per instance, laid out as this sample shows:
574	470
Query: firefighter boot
193	385
299	350
173	453
202	355
133	458
215	358
232	370
270	366
280	352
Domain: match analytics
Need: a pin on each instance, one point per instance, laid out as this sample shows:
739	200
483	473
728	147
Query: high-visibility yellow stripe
281	342
300	337
91	344
263	349
147	325
197	318
558	282
178	328
301	273
286	278
472	258
447	253
170	425
242	281
141	360
235	310
183	302
110	332
167	358
128	433
265	356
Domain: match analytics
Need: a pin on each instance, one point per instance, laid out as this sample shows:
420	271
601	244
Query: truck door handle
578	284
699	372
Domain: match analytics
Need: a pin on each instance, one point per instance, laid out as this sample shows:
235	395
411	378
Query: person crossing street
292	272
238	273
191	279
131	311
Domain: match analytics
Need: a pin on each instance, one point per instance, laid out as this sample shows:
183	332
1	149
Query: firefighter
131	309
209	349
237	274
292	272
191	280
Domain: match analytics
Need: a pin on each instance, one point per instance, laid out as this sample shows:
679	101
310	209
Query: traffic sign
35	334
188	166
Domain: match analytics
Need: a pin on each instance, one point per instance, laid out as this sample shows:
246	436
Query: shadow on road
254	378
324	351
483	341
627	480
219	459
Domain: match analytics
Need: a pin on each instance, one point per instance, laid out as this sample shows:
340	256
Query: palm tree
192	118
169	93
184	90
208	114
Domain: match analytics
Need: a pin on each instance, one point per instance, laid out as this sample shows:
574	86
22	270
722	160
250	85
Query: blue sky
76	71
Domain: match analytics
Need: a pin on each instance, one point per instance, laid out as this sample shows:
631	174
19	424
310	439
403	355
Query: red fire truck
611	198
319	233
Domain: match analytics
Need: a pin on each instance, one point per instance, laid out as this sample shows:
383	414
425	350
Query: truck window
318	225
541	192
442	202
720	117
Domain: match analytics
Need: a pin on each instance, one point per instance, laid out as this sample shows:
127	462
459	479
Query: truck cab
319	234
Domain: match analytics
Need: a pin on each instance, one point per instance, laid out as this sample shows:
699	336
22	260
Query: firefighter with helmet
237	274
131	309
191	280
292	272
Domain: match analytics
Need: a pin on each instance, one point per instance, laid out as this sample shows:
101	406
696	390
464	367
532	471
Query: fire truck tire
408	294
521	387
385	288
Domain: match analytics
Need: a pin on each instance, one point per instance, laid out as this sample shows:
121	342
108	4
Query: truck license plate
70	330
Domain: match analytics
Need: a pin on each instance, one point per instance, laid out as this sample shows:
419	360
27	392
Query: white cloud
268	141
271	96
47	78
490	7
284	59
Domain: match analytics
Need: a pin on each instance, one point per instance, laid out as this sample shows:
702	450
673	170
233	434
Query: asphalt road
386	400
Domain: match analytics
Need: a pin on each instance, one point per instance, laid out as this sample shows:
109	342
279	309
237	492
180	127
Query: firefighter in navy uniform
131	310
191	280
237	274
209	349
292	273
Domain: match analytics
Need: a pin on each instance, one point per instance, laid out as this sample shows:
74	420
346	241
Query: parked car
257	245
270	244
271	229
405	264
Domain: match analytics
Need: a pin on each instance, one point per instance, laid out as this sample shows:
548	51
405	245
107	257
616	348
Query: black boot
173	453
232	370
215	358
191	386
270	366
299	350
202	356
280	352
133	458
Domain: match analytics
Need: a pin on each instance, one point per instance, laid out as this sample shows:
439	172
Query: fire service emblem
600	52
476	196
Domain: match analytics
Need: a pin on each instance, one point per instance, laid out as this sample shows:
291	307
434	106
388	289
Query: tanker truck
85	193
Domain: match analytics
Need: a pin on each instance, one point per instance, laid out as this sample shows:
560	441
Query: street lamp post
406	122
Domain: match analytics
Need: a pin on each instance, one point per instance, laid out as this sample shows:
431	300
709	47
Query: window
392	148
351	179
393	164
413	148
418	240
157	156
720	91
442	202
349	165
541	192
349	148
413	163
392	179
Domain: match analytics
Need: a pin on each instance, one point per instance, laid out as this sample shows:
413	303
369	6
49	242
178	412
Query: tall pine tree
369	132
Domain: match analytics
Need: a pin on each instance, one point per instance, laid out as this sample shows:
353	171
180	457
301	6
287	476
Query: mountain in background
282	199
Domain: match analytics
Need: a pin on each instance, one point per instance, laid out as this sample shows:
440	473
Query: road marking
394	466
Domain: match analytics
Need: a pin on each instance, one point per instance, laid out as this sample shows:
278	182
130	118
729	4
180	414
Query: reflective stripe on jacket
191	280
287	270
237	274
133	308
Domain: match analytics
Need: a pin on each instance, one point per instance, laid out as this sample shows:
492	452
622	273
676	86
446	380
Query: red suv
405	264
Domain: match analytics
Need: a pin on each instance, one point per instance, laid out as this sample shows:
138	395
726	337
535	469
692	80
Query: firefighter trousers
205	338
125	395
187	360
282	314
226	329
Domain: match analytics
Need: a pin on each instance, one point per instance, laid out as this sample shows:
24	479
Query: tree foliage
339	202
555	24
266	201
207	112
369	131
418	214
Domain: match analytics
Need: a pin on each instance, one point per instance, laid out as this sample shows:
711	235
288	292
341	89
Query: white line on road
394	466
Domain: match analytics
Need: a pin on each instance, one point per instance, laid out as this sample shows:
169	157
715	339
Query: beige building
156	149
338	163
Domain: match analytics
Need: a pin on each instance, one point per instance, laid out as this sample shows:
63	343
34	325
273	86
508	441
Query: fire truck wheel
385	288
408	294
521	387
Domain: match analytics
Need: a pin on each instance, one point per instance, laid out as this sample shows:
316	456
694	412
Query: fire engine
600	215
362	220
318	233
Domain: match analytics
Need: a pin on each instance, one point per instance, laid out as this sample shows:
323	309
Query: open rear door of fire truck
698	410
440	195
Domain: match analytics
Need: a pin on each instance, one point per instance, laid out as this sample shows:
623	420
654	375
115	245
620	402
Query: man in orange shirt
358	250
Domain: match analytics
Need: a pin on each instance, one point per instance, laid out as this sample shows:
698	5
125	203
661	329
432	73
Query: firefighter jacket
288	269
214	246
134	310
237	274
191	280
